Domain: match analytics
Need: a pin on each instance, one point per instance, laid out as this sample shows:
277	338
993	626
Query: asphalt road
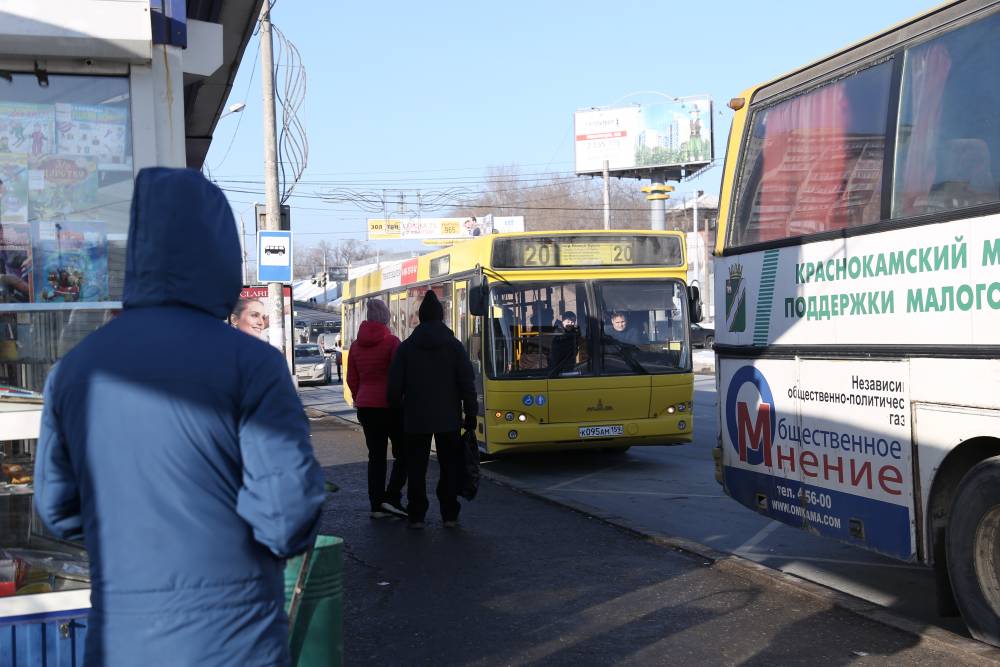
527	582
671	491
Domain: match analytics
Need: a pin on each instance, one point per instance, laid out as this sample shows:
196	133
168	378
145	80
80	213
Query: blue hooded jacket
177	448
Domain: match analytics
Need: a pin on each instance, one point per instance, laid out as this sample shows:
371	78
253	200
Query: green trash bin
317	638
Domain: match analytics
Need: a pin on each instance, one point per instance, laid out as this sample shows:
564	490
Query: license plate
601	431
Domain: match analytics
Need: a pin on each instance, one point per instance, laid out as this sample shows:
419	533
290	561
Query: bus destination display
574	251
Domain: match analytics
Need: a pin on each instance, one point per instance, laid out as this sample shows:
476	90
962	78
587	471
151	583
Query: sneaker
394	508
378	514
418	525
451	524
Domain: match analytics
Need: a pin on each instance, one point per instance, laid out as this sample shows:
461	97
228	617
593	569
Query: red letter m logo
755	438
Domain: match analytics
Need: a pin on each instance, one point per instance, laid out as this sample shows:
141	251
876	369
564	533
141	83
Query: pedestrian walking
338	357
432	378
367	378
177	448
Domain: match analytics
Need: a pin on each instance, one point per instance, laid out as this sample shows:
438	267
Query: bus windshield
570	329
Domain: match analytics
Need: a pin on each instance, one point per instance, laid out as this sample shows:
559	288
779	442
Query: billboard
644	137
380	229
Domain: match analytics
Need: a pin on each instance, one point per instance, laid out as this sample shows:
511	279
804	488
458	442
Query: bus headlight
509	416
670	410
522	417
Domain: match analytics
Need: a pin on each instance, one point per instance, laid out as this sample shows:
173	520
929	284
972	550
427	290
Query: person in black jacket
431	377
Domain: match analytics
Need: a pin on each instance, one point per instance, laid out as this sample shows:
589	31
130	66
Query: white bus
858	301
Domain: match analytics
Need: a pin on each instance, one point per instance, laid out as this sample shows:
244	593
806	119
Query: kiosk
91	91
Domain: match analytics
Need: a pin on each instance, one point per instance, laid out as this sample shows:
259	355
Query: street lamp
234	108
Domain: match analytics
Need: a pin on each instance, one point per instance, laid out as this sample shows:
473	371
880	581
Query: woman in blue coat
176	447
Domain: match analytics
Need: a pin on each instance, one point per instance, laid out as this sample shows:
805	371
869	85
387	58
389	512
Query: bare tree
311	260
349	252
557	201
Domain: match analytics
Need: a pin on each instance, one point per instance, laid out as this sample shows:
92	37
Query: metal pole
607	197
658	207
272	220
697	246
243	246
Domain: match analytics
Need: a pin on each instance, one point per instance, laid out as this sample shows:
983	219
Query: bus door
463	331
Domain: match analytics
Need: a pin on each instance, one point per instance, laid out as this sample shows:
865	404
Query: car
702	336
311	365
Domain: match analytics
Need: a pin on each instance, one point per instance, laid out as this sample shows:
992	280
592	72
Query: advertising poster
13	187
252	317
15	263
644	136
70	262
822	445
16	277
61	186
99	131
892	288
442	228
27	128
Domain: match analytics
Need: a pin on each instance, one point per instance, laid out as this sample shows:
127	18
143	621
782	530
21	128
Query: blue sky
430	95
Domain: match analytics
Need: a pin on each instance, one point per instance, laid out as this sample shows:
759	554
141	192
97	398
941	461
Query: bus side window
948	147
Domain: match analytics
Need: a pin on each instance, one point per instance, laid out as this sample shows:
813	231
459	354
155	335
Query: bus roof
468	255
865	49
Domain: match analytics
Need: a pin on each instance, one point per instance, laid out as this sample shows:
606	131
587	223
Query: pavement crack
350	553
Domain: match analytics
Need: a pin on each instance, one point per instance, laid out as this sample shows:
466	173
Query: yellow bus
578	339
858	323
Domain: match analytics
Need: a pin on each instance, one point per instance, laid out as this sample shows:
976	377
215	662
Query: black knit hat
430	308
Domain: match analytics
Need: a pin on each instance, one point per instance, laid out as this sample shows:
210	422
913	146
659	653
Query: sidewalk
528	582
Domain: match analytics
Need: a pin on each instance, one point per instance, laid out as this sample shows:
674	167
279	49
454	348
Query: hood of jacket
182	244
431	334
372	333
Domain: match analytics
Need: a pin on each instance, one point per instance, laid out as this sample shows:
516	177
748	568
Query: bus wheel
974	550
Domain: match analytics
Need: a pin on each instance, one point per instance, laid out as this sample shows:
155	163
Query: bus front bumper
506	436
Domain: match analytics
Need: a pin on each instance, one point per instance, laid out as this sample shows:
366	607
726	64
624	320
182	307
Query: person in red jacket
367	378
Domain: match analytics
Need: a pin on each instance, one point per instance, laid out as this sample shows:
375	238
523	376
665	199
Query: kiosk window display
66	178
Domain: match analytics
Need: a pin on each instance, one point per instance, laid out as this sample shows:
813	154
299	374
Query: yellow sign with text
384	229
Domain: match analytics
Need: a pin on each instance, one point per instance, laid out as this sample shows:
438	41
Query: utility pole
657	204
272	220
607	197
696	255
657	195
243	247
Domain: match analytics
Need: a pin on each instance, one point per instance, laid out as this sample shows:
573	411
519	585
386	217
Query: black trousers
382	425
449	453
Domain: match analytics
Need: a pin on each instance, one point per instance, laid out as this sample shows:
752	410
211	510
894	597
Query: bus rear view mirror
694	303
479	290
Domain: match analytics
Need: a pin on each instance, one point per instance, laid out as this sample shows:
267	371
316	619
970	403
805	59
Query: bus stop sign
274	257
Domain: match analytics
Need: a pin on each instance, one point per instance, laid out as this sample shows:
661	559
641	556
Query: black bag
469	483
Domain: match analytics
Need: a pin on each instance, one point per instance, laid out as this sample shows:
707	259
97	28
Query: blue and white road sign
274	257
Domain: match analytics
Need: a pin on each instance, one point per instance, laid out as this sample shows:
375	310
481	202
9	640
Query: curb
969	650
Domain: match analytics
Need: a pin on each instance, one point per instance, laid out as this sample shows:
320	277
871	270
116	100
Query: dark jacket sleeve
57	496
466	386
397	377
282	490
